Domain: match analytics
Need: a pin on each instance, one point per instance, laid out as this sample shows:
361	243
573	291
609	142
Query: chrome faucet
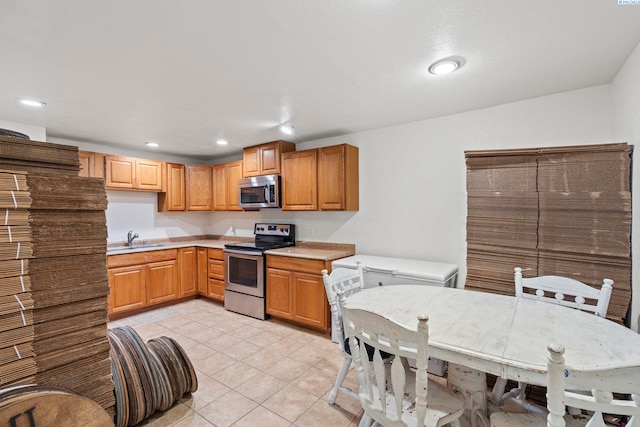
130	237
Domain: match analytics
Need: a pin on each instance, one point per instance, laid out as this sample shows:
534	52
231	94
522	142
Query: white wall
626	127
137	211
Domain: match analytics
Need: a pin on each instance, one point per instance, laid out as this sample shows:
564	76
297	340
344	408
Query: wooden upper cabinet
119	172
264	159
225	186
199	187
220	187
91	164
338	178
148	175
234	174
132	173
300	181
173	196
326	178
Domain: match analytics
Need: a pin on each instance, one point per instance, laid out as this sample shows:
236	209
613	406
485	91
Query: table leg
473	386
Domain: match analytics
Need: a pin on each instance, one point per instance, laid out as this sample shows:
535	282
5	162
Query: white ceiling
186	72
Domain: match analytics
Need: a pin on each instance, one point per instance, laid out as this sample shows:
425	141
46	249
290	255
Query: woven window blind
552	211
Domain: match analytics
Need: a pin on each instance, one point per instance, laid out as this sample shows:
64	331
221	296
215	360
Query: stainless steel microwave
259	192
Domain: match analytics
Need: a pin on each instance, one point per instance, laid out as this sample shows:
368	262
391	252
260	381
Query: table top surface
504	335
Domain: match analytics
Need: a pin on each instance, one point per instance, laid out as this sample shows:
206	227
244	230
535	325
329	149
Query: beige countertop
157	245
310	250
316	250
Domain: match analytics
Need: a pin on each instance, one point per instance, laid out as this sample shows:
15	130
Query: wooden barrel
43	406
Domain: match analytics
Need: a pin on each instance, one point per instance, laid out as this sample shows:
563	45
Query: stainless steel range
244	264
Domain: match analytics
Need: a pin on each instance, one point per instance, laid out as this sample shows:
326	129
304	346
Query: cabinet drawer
314	266
216	269
141	258
216	289
216	253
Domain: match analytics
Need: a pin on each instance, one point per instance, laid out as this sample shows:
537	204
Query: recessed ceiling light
445	66
152	144
287	129
31	102
222	142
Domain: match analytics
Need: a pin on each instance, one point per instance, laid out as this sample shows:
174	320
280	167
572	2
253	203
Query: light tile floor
250	372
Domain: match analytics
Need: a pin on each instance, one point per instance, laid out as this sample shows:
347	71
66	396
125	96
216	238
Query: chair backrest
348	281
565	291
383	395
603	385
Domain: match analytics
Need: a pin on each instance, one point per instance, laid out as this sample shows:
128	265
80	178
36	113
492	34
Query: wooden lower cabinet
142	279
162	282
295	291
127	288
215	288
188	263
279	301
202	273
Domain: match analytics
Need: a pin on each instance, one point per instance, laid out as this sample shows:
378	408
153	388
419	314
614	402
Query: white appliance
379	271
384	271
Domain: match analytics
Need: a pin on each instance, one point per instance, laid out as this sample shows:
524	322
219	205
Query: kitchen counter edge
319	251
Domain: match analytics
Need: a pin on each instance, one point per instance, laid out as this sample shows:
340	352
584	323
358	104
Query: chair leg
366	421
341	376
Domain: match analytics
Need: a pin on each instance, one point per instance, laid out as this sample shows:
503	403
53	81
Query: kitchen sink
122	248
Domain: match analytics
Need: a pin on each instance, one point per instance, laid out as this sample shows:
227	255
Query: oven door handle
241	252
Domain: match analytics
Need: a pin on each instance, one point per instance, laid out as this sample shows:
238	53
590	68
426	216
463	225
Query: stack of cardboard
34	156
17	359
53	276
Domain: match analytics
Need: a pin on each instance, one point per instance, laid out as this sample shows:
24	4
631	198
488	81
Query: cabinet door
234	173
85	158
338	178
278	293
220	187
270	159
127	286
162	282
187	261
173	198
331	179
148	175
251	162
310	301
299	181
199	188
119	172
203	274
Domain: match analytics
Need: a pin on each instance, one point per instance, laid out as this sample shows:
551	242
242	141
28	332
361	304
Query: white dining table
504	335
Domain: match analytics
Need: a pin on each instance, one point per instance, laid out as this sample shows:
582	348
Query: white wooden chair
392	394
565	291
600	400
348	281
556	290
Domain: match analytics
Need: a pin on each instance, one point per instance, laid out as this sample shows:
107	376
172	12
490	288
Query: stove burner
268	236
257	246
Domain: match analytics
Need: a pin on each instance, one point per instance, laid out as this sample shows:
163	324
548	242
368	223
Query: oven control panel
269	229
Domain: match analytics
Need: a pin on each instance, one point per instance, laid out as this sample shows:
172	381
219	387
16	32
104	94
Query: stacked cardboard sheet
35	156
54	283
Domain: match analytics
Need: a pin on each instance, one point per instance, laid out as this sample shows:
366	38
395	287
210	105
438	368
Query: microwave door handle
266	194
